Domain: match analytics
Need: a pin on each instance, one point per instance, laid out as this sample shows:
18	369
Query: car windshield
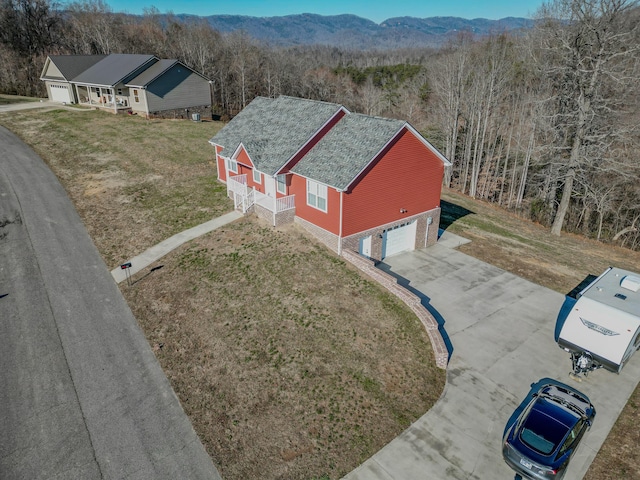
542	433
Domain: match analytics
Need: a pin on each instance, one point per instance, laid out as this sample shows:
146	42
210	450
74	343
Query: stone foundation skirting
183	113
412	301
276	220
331	240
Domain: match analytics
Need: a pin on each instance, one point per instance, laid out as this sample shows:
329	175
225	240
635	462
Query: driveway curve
82	395
501	330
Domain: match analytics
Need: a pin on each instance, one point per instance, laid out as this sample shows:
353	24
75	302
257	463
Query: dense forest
544	123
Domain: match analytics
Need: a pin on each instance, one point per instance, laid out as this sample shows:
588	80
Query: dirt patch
281	354
289	363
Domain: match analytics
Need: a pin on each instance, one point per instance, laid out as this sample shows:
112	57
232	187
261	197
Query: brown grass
282	355
289	362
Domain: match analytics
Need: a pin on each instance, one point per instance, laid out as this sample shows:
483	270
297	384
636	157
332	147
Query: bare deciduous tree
584	48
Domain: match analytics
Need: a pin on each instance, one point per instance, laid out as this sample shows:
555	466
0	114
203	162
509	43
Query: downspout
340	234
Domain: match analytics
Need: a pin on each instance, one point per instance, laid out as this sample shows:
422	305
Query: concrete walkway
158	251
82	394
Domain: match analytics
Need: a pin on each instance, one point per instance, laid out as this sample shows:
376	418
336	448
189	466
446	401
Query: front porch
103	98
249	200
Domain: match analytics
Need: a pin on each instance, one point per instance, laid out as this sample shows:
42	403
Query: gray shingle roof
113	69
73	65
347	149
273	130
151	73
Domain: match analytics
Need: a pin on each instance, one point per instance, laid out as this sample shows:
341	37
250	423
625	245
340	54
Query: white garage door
399	239
60	93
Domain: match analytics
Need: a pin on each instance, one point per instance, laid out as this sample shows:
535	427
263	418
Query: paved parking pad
500	328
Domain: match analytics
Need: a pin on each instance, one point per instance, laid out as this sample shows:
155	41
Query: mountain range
353	32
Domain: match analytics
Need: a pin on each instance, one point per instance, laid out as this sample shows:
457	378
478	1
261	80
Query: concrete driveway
501	331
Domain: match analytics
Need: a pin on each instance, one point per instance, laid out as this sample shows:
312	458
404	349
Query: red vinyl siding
408	176
243	158
330	220
222	172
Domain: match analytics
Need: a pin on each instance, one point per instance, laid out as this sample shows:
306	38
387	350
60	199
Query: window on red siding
257	176
232	165
317	195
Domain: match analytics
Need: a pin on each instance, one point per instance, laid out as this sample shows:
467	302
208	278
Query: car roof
556	410
551	418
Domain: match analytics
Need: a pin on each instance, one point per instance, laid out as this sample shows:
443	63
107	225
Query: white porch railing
245	197
275	205
237	184
285	203
237	189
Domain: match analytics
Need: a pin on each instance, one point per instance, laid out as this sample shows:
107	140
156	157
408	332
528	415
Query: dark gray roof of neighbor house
347	149
113	69
73	65
273	130
151	73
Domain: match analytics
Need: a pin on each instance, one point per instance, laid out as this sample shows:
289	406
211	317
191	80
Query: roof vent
631	282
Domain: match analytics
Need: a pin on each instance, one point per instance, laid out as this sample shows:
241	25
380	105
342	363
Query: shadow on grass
158	267
450	213
425	301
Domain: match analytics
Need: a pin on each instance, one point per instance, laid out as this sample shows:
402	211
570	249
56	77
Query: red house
367	184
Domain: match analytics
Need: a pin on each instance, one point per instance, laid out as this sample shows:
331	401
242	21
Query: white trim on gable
428	144
423	140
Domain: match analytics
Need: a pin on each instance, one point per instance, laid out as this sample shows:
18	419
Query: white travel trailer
603	327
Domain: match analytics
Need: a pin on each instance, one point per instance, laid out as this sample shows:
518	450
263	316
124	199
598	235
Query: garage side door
60	93
399	239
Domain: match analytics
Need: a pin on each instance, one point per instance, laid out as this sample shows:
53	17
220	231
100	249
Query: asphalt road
82	395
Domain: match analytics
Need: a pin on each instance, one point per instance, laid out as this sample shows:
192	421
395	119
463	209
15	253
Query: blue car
546	434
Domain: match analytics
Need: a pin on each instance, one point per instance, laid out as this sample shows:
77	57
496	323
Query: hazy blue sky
376	10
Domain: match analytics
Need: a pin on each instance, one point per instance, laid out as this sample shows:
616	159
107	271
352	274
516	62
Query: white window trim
231	164
259	179
283	183
319	191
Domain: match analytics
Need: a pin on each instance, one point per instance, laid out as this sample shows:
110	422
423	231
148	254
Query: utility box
603	327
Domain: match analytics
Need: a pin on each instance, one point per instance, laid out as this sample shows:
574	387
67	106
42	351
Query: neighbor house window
119	91
232	165
281	182
257	176
317	195
136	98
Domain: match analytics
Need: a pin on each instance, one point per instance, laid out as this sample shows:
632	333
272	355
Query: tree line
543	123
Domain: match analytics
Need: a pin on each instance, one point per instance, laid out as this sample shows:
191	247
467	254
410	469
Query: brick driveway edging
412	301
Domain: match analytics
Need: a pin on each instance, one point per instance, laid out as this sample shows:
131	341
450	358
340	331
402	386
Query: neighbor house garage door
399	239
60	93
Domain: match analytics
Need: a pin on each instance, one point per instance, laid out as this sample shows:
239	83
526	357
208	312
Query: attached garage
400	238
60	92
